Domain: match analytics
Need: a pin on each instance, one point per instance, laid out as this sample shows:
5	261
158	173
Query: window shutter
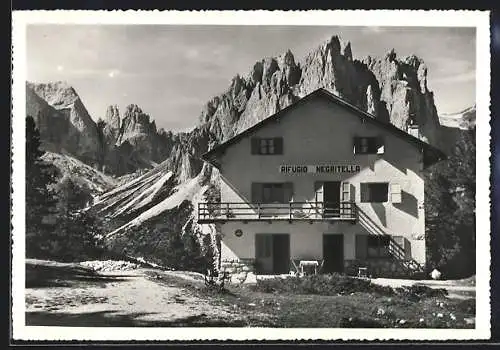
255	144
318	190
256	192
365	192
372	144
345	209
346	191
395	193
399	247
407	246
278	145
380	145
361	246
288	191
357	144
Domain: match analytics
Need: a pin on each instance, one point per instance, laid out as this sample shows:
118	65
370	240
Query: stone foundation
388	268
243	270
240	271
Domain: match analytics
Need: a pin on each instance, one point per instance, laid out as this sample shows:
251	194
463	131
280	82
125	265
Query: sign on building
319	169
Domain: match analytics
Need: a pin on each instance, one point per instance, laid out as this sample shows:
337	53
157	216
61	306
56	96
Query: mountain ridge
116	145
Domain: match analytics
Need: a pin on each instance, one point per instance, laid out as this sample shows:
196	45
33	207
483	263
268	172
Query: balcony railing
306	211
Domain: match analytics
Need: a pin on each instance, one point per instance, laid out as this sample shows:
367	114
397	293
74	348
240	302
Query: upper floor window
267	146
368	145
272	192
374	192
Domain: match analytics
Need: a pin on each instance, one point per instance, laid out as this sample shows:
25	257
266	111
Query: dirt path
123	298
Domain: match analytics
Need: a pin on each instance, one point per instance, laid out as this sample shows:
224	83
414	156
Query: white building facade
321	181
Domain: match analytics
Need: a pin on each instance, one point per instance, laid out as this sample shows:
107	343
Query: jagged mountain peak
286	59
135	120
112	117
133	109
58	94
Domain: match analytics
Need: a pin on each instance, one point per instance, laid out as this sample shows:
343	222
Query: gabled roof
431	154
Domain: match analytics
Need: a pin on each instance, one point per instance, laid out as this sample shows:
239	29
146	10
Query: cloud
373	29
192	54
468	76
113	73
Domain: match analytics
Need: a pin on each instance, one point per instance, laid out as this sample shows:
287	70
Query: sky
171	71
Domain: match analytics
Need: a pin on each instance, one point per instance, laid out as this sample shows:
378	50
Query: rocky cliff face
393	89
64	122
117	145
132	140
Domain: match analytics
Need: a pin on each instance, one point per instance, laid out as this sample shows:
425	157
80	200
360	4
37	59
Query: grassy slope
357	310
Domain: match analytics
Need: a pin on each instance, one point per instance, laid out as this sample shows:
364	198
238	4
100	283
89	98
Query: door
272	253
331	199
333	253
281	253
264	253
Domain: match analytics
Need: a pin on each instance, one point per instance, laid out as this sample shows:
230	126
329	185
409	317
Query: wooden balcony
294	211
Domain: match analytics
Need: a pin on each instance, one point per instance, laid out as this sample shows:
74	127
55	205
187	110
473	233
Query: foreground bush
328	284
336	284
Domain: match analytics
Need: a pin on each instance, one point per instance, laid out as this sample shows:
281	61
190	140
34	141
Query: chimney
412	127
414	130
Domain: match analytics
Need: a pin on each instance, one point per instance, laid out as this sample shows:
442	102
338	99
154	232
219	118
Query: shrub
467	306
328	284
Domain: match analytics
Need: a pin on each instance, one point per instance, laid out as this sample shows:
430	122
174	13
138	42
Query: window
273	193
378	246
374	192
268	193
368	145
267	146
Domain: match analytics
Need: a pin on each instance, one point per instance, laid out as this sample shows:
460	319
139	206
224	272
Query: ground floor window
374	192
378	246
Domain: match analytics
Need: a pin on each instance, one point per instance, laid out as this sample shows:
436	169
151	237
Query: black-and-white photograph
274	176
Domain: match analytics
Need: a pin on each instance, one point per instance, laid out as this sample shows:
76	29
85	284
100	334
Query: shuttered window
378	246
368	145
267	146
374	192
268	193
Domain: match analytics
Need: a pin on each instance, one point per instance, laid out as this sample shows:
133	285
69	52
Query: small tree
75	234
40	201
450	210
208	253
192	257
